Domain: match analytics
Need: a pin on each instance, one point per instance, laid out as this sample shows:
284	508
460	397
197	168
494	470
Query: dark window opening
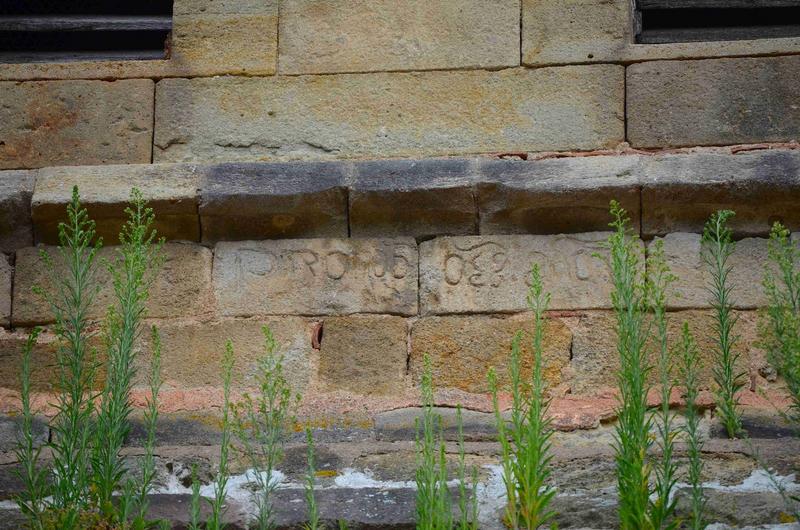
667	21
84	30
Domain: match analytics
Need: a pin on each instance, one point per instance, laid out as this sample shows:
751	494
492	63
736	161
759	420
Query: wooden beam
85	23
63	57
714	4
669	35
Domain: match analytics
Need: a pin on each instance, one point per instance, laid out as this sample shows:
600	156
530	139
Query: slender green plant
70	301
632	438
217	503
467	496
780	329
718	247
659	278
690	367
433	506
139	255
31	500
145	486
194	503
261	426
526	439
311	476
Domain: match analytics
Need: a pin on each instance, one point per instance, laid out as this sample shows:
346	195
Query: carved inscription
480	274
316	276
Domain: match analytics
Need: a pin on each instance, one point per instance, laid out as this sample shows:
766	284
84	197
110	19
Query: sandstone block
416	198
681	191
6	274
192	352
713	102
380	35
464	348
683	253
63	123
555	196
16	189
316	276
171	190
182	286
274	201
595	360
477	274
388	114
558	32
364	354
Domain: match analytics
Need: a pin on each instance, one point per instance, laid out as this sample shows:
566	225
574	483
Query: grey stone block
713	102
16	190
11	429
401	424
416	198
565	195
680	191
242	201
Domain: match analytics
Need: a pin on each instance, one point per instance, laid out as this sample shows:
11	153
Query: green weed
690	374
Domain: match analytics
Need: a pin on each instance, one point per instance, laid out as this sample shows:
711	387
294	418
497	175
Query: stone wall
372	179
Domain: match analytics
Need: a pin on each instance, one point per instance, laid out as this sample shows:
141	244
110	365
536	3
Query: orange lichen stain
326	473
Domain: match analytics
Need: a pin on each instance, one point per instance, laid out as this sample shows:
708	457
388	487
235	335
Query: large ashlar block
182	286
595	359
477	274
16	190
364	354
192	352
389	114
587	31
171	191
378	35
464	348
681	191
565	195
684	255
316	277
274	201
415	198
65	123
713	102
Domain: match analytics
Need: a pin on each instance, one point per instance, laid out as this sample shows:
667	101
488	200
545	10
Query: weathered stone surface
16	189
44	373
595	360
388	114
564	195
6	274
684	256
316	276
586	31
364	354
490	273
741	508
379	35
192	352
401	424
171	190
56	123
464	348
182	286
209	37
713	102
681	191
11	430
416	198
272	201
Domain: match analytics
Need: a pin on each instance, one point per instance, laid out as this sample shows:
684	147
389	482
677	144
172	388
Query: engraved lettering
453	269
336	264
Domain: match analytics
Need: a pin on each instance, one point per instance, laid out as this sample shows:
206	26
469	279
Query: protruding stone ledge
478	274
680	191
316	277
417	198
182	286
16	190
565	195
172	191
273	201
